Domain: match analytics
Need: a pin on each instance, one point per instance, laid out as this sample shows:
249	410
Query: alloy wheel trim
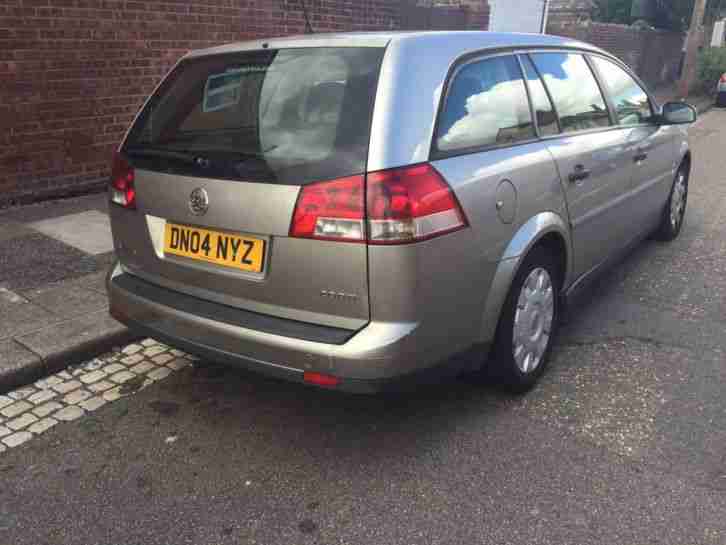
678	200
533	319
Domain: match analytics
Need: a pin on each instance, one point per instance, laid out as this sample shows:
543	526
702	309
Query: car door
591	155
650	145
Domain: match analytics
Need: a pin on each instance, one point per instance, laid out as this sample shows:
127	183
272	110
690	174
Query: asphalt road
623	443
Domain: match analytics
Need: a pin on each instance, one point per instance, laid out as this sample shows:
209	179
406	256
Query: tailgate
297	275
218	157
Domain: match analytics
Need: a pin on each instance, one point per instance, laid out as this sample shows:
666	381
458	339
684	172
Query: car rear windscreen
288	116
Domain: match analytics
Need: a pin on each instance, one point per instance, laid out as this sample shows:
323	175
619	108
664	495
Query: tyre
528	323
721	99
675	209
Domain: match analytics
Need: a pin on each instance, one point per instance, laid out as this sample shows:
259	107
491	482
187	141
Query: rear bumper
379	357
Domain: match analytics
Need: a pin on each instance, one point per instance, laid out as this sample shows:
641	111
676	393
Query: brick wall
478	16
571	11
653	54
74	72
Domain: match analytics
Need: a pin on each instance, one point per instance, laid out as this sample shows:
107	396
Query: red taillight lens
319	379
401	205
122	190
410	204
723	78
331	211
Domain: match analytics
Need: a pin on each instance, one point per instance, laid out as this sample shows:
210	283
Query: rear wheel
675	210
528	323
721	99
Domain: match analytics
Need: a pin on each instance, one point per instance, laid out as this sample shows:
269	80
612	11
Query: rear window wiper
179	155
199	158
244	155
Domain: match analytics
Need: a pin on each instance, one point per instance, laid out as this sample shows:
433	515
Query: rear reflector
121	189
319	379
401	205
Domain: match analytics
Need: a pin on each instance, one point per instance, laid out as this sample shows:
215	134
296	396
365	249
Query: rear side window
574	89
546	117
632	106
486	106
289	116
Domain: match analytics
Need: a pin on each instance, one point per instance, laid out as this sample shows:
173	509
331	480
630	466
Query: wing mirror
678	113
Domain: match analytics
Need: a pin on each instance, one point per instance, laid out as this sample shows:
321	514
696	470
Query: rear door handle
640	157
580	173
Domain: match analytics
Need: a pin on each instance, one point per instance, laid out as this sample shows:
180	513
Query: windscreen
288	116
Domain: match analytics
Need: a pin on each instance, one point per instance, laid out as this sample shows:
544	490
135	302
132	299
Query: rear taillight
410	204
723	78
401	205
122	190
331	210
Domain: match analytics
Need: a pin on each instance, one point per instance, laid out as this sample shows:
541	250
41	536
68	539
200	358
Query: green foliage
669	14
711	66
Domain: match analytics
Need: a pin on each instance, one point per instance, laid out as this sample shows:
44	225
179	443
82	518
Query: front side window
632	106
574	89
486	106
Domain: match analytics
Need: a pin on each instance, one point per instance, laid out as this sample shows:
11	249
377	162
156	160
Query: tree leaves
669	14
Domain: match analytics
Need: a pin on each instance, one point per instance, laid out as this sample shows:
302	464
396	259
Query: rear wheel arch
528	323
555	244
546	229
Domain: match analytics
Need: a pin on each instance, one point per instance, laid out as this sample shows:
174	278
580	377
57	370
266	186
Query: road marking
71	394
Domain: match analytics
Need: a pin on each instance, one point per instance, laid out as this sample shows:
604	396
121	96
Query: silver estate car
361	211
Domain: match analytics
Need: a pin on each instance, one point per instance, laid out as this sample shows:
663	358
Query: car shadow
233	402
272	414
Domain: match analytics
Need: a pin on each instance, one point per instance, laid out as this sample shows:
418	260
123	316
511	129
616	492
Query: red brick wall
620	40
479	17
653	54
74	72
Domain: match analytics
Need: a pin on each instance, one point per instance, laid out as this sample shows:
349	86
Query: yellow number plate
240	252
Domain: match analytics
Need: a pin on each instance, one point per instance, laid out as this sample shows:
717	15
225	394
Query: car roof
464	40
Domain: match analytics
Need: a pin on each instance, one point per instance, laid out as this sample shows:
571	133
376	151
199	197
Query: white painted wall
719	33
517	15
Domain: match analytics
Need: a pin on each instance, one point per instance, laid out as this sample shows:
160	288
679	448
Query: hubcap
533	320
678	200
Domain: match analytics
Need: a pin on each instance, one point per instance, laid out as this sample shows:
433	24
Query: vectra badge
339	295
199	202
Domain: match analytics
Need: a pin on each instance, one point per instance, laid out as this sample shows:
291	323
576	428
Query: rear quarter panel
475	179
444	285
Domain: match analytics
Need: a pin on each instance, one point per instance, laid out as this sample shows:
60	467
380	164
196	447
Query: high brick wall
571	11
478	16
74	72
653	54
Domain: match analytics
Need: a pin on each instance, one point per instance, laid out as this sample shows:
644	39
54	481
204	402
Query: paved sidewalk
83	388
53	307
